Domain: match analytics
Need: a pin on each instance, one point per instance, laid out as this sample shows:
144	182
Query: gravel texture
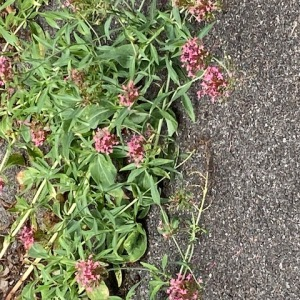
252	249
253	223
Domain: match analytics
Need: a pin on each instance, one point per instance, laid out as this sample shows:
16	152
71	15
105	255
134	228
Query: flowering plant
79	99
184	288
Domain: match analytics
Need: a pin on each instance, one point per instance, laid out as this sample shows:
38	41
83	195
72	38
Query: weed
89	104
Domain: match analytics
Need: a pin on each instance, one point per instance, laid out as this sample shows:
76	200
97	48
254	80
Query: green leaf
149	266
10	38
205	30
51	22
107	26
176	14
15	159
154	54
25	133
164	261
5	127
153	9
35	152
28	291
188	106
181	90
171	122
159	172
160	161
83	29
131	293
122	54
136	244
157	286
134	174
129	167
171	72
118	275
21	204
6	4
154	191
43	42
103	171
37	251
99	292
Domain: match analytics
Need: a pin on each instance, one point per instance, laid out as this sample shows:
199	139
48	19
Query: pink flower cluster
129	95
69	4
203	9
193	56
77	77
136	149
183	288
26	237
2	184
87	273
214	84
104	141
5	70
38	136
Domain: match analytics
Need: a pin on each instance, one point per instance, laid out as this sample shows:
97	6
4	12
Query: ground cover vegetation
86	110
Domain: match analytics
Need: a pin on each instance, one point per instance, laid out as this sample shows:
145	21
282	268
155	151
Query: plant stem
22	279
190	249
5	158
14	33
178	248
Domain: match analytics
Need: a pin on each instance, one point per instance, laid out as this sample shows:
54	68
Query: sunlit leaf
99	292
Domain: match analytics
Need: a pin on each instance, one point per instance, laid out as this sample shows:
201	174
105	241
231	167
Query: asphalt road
252	249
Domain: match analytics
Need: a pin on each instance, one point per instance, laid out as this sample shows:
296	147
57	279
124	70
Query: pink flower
104	141
77	77
184	288
136	149
69	4
193	56
87	274
203	9
2	184
213	85
200	9
130	94
26	237
5	69
37	136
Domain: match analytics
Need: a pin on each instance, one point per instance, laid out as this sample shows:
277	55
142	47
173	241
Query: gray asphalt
252	249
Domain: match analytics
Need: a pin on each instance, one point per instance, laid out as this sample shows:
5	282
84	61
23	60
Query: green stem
141	6
14	33
183	162
178	248
136	269
190	249
5	158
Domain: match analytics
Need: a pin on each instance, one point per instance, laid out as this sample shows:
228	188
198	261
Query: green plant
91	104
